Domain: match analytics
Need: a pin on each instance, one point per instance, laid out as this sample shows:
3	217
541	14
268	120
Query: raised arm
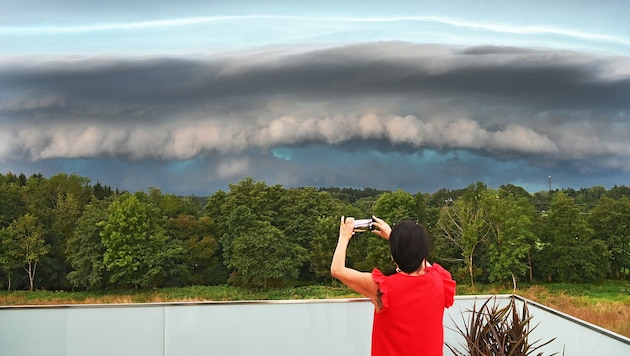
360	282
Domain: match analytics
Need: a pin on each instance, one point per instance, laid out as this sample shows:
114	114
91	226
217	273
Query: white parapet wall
254	328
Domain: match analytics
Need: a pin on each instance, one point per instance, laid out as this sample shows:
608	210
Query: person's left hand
382	228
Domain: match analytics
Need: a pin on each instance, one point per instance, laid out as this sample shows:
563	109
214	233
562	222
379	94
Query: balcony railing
295	327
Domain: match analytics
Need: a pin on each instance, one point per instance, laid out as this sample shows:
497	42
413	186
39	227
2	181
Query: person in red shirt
409	303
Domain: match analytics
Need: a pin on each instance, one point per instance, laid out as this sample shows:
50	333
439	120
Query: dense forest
63	233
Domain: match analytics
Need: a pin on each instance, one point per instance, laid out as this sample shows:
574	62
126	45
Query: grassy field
606	304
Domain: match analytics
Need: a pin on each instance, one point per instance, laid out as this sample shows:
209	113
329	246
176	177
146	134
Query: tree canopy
63	232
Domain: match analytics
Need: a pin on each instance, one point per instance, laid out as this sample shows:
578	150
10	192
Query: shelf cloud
381	113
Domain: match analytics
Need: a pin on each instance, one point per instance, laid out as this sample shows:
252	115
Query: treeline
63	233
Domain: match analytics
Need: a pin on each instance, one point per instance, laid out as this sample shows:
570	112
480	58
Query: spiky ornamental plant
495	331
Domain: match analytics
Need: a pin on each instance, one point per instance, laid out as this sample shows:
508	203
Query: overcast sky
189	96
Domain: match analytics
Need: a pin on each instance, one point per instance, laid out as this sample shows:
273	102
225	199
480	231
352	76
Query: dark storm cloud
542	107
544	78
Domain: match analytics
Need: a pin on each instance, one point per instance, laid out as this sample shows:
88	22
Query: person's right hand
382	228
346	228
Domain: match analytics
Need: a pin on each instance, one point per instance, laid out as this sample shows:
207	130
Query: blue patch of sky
211	33
283	153
415	170
182	166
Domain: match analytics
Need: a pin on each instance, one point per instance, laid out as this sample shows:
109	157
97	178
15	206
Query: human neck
419	272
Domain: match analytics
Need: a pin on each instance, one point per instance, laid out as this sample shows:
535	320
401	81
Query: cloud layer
256	112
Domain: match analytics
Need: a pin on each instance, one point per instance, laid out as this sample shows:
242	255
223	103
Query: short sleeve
382	282
449	284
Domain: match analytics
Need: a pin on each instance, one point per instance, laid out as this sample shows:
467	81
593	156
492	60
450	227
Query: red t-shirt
410	320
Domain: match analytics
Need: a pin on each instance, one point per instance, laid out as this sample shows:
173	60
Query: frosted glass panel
322	327
269	329
115	331
32	332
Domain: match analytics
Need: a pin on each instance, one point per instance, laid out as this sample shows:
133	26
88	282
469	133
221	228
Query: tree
617	192
201	248
588	197
262	200
101	192
137	252
301	211
266	257
510	221
57	204
11	203
541	201
171	205
464	224
514	191
422	211
8	263
259	252
572	252
84	249
24	243
610	220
